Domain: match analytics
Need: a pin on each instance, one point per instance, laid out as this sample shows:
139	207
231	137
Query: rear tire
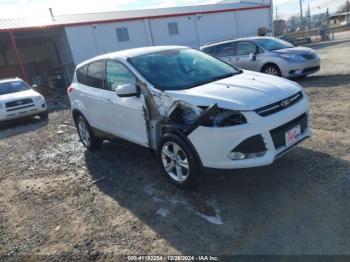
87	137
178	161
271	69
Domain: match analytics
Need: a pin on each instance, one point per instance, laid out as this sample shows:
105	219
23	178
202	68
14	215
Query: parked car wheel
271	69
44	115
178	161
86	135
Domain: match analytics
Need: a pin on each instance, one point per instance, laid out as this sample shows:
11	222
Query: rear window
209	50
92	74
81	75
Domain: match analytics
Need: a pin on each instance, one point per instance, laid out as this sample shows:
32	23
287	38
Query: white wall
217	26
91	40
187	31
82	42
250	20
88	41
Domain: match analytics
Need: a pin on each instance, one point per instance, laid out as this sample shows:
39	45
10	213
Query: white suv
18	100
194	110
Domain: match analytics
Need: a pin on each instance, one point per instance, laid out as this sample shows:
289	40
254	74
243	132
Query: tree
344	8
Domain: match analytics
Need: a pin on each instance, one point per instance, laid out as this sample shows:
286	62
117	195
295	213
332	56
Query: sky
29	8
287	8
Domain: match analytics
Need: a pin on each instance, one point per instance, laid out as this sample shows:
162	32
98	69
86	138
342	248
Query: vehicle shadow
20	126
299	205
324	80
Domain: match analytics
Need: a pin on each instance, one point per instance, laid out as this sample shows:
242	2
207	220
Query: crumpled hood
246	91
296	50
19	95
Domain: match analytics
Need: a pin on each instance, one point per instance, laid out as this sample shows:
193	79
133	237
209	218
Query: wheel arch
76	113
186	140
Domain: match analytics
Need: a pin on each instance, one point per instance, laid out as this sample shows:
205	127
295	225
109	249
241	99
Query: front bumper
22	111
292	70
214	144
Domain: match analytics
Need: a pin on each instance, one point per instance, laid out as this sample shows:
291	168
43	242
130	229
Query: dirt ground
56	199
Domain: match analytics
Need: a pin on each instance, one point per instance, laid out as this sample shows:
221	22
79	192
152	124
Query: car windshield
273	44
178	69
13	87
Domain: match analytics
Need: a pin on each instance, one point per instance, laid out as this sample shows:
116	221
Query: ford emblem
285	103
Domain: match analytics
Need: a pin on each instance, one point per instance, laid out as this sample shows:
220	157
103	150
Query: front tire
178	162
87	137
44	115
271	69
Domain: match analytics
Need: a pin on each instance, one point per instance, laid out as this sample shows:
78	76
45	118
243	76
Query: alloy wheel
84	132
272	71
175	161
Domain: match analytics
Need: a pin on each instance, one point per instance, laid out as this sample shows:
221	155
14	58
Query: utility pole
328	24
301	16
309	14
276	13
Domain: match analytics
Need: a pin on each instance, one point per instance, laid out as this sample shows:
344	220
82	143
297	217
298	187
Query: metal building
44	51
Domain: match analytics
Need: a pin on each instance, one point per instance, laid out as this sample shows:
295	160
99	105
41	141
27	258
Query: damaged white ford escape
195	111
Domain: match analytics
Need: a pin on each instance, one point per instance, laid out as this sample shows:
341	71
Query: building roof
30	23
338	15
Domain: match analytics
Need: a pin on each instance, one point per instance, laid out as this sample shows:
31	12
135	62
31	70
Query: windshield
13	87
179	69
273	44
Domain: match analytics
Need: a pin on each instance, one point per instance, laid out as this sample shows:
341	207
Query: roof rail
218	41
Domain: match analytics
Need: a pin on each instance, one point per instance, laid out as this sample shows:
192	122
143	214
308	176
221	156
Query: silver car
267	55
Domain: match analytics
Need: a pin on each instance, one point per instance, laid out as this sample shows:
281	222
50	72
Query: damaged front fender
164	115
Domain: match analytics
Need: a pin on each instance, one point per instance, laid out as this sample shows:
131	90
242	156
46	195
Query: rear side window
95	74
225	50
81	75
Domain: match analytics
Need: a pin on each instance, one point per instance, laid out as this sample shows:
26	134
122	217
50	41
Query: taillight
70	89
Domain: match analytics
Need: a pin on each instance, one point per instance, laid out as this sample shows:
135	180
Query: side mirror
35	86
252	57
127	90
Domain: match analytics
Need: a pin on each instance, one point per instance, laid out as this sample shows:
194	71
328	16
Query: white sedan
197	112
18	100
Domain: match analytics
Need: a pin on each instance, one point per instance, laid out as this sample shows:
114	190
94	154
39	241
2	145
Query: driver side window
117	74
246	48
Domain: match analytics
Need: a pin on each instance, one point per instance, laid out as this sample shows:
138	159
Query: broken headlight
217	117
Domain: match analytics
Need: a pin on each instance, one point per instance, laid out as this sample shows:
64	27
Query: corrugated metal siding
66	20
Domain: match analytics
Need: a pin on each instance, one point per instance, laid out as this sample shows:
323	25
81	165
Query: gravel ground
56	199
